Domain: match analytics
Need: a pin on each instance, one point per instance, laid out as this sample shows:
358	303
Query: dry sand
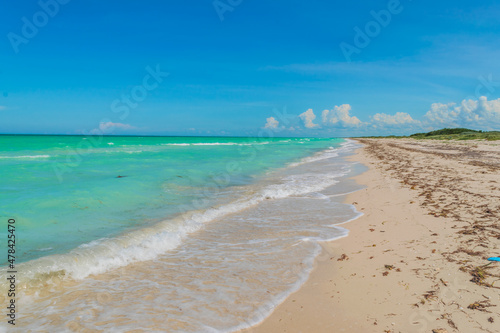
416	261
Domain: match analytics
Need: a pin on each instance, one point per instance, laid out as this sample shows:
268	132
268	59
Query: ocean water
177	234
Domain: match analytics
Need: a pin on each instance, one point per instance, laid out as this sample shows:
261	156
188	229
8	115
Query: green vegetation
445	131
458	134
452	134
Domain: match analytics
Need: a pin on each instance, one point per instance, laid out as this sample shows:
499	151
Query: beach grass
450	134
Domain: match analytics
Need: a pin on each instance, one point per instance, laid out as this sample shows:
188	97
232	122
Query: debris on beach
468	205
440	330
479	275
343	257
430	295
480	305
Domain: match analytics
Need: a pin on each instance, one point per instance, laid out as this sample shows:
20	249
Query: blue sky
234	66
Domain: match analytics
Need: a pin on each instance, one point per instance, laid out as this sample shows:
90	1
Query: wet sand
416	261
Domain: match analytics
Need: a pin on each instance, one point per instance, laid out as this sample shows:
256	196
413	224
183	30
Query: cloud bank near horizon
481	114
108	127
271	122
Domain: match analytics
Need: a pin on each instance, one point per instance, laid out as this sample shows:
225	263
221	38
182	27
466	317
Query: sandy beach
250	166
416	261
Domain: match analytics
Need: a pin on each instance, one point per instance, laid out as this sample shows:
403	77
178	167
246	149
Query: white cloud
108	127
476	114
104	126
308	118
340	115
441	114
3	107
271	123
324	116
396	120
480	113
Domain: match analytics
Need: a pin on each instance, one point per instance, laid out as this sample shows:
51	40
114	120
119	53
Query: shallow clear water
204	234
63	190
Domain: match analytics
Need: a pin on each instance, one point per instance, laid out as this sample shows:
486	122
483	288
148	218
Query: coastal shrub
451	134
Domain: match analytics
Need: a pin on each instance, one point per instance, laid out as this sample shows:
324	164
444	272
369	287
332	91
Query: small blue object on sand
494	259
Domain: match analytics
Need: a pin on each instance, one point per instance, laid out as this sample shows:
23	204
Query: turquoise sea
88	207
